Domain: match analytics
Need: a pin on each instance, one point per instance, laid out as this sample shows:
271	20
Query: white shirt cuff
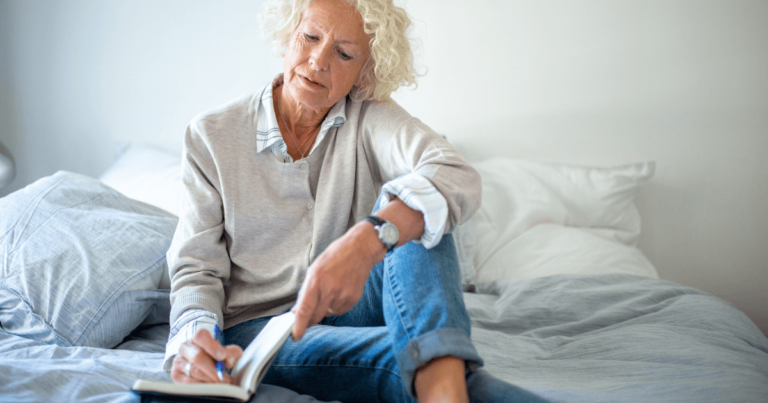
418	193
184	329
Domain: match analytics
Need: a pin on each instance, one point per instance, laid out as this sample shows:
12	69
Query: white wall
598	82
82	74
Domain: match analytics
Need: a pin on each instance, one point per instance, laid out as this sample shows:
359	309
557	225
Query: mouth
310	82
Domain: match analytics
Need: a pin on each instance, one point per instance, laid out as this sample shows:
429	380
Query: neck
302	121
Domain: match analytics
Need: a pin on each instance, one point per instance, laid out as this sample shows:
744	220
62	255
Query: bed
561	300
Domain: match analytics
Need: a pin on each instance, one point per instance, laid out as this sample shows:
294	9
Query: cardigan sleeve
410	157
198	259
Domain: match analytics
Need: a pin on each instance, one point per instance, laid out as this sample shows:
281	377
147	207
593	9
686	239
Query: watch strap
376	221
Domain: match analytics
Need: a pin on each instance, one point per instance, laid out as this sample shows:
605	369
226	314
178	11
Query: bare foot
442	381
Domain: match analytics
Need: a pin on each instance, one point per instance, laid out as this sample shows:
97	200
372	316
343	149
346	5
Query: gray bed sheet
35	372
606	338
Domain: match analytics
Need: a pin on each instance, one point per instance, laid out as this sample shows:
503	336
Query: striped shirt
413	189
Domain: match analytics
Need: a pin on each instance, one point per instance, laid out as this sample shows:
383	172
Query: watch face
389	234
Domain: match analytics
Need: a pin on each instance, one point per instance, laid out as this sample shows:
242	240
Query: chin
311	99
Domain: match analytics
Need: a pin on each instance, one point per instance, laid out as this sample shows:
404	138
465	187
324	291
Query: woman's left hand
336	279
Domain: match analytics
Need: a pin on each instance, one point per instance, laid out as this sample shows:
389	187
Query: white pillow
521	195
550	249
147	174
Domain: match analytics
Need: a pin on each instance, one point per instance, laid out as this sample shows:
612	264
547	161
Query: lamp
7	170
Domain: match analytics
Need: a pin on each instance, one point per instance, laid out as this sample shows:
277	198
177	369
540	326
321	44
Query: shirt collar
268	131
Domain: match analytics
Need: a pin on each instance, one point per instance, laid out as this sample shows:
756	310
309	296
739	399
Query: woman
277	189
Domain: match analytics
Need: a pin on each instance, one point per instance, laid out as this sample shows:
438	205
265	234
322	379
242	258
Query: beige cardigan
250	224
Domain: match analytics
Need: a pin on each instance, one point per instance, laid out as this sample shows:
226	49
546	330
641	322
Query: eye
344	55
310	37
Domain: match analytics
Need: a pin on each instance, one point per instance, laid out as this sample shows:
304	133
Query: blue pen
219	336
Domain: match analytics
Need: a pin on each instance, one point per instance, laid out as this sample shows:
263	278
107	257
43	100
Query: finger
183	379
179	371
234	353
179	377
335	311
304	311
207	343
340	307
203	366
320	311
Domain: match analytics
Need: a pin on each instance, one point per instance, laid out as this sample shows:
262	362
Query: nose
321	56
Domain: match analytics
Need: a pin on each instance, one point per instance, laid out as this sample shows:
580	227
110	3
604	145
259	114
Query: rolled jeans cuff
439	343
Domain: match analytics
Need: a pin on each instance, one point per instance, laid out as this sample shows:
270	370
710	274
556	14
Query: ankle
441	380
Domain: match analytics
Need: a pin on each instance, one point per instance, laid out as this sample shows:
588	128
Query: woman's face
325	54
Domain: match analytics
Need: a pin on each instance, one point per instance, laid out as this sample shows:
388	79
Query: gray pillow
72	249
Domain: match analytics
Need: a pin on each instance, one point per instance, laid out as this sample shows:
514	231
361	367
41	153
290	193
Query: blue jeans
411	311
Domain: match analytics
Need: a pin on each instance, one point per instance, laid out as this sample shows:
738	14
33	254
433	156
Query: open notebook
248	371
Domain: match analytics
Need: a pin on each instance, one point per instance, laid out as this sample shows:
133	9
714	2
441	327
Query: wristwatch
388	233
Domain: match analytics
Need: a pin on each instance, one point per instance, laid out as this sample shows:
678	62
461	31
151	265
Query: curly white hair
390	64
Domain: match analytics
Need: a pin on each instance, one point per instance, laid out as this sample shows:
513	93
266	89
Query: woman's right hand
196	360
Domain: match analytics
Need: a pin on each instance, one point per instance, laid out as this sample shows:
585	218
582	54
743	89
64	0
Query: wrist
368	238
408	221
